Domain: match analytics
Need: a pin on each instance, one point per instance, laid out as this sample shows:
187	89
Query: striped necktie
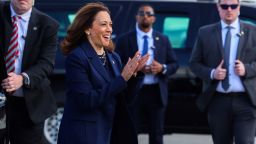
12	52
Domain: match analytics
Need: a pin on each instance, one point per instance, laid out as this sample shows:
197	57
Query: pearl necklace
103	58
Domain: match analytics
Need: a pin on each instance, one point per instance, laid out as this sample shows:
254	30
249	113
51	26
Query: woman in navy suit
95	82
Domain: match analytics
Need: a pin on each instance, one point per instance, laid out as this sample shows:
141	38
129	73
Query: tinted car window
176	29
248	20
64	18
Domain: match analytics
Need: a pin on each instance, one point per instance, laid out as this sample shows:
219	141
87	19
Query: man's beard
145	25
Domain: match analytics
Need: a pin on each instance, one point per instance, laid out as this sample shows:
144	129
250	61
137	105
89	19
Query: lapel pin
34	28
240	34
157	38
113	62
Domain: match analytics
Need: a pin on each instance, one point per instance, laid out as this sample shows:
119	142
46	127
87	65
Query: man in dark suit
30	40
153	83
224	57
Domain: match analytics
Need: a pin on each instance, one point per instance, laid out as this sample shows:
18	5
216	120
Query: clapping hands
134	65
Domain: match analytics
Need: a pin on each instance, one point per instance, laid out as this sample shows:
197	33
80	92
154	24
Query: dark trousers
2	123
20	128
2	136
150	107
232	118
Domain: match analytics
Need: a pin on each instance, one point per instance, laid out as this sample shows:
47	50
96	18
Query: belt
150	85
231	94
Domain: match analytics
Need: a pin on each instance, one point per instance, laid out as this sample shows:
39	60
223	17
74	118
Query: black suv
179	20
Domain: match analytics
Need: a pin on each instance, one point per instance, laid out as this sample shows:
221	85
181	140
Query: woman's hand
131	66
142	63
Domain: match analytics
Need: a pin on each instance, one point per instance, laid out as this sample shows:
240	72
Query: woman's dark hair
83	20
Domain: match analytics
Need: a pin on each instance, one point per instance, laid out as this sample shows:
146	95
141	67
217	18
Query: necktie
145	45
225	82
12	51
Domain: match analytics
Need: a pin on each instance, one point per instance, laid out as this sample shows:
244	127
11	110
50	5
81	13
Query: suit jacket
2	63
127	46
38	61
208	53
93	100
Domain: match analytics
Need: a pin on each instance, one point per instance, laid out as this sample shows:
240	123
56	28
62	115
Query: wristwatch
26	81
164	70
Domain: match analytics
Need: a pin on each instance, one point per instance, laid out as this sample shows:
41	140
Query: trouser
231	118
20	128
152	110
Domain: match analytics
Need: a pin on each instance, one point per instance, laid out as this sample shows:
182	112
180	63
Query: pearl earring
88	33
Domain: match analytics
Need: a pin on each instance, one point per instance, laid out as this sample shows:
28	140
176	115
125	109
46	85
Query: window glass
64	18
176	29
248	20
71	17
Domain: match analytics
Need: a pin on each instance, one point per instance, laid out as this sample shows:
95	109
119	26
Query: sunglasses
232	6
146	13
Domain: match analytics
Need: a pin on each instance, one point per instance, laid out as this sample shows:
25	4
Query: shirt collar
25	17
140	33
234	25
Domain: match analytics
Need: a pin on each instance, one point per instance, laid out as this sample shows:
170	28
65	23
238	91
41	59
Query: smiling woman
95	82
179	20
91	32
99	34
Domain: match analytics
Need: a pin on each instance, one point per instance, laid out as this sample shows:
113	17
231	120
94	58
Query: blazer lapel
95	61
113	64
134	43
242	39
31	37
8	27
218	36
157	45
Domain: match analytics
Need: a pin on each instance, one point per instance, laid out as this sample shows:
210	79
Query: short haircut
220	1
145	5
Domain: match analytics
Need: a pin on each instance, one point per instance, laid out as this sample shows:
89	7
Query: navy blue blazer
92	96
127	46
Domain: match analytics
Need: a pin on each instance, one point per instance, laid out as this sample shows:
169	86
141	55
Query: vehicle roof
248	3
251	3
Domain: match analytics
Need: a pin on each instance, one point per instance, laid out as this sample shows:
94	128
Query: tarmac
180	139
